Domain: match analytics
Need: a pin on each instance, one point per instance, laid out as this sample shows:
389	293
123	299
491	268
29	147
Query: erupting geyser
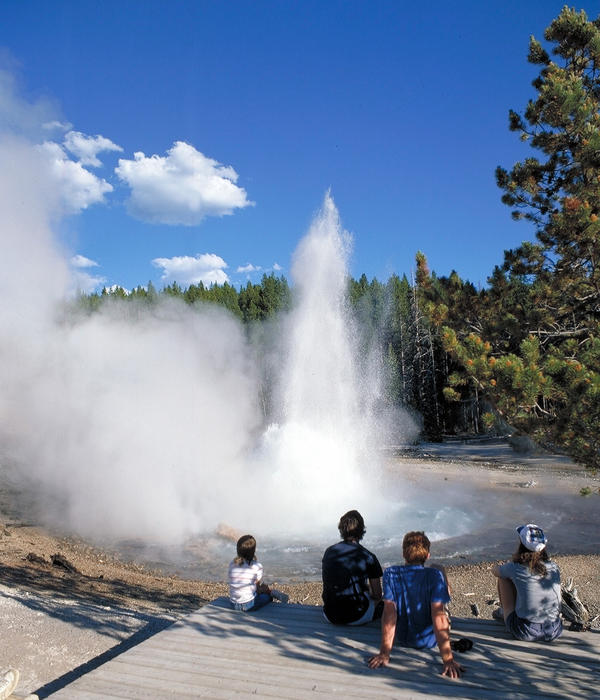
143	422
322	450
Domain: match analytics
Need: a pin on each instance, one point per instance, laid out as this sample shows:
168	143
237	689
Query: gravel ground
65	616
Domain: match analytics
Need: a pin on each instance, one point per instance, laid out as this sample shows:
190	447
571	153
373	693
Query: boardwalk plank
244	668
289	651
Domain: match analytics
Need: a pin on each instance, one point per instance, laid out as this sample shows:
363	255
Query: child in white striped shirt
246	588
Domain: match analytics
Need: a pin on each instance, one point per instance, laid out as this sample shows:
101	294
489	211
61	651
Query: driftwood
36	559
64	563
572	608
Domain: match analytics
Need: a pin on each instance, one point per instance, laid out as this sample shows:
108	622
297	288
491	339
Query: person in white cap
529	589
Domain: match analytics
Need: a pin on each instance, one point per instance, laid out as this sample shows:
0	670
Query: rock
228	533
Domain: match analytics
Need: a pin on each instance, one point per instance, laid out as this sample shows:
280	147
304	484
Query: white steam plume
123	423
143	422
135	427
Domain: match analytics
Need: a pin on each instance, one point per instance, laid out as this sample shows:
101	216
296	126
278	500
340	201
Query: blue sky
243	114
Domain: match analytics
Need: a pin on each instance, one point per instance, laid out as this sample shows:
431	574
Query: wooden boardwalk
289	651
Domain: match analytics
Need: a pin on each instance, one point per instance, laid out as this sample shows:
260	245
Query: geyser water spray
321	452
144	422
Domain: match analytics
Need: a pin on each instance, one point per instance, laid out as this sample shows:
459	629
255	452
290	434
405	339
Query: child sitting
246	588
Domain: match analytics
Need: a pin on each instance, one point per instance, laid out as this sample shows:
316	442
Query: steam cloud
136	422
126	423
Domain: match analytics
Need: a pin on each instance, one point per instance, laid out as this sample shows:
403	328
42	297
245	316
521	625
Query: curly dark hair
534	560
352	526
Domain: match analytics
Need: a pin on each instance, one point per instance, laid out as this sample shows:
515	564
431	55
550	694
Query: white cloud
78	187
85	283
185	270
86	148
82	281
249	267
182	187
82	261
277	267
114	287
66	185
55	125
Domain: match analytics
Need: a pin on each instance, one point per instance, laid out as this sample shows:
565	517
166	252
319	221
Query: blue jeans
533	631
259	601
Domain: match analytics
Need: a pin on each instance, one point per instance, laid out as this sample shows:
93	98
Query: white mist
322	453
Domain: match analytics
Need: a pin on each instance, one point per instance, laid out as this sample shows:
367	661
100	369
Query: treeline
392	320
254	302
469	360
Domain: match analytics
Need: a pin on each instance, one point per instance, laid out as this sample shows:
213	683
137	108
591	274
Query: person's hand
379	660
452	669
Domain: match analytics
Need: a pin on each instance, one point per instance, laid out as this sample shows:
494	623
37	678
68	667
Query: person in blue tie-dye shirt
414	613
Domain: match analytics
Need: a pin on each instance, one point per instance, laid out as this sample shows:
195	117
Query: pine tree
537	357
426	380
560	193
399	340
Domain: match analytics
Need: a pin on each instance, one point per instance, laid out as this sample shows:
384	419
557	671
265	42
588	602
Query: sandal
461	645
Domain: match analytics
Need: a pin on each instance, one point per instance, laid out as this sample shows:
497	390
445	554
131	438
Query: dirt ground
63	615
102	579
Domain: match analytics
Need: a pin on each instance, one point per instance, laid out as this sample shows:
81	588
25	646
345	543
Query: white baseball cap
532	537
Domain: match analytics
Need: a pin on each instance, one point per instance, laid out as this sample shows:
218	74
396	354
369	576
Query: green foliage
529	345
254	302
259	301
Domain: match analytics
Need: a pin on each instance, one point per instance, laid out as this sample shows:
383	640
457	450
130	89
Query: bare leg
508	596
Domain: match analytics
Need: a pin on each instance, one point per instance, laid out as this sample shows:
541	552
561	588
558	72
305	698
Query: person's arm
388	632
442	569
441	629
375	589
261	586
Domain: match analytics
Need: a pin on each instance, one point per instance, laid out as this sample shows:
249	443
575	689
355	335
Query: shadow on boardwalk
289	651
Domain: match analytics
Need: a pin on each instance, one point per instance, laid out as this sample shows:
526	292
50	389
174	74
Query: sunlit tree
537	356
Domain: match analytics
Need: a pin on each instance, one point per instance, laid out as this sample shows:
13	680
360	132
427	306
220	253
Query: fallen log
573	609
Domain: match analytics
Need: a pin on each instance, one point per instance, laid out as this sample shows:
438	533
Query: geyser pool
143	423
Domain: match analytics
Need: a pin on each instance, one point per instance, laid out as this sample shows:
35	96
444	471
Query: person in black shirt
351	576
